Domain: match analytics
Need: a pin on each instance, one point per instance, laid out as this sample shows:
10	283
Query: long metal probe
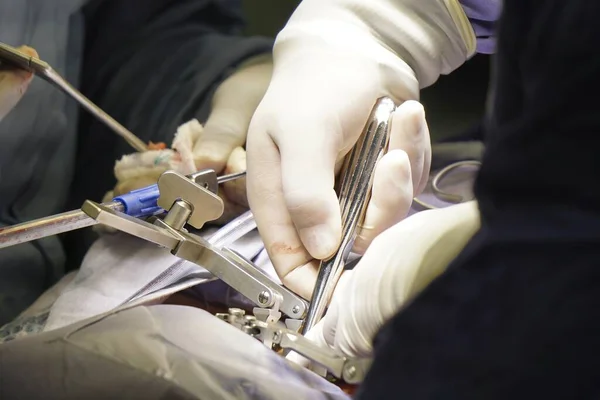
355	192
13	56
65	222
50	75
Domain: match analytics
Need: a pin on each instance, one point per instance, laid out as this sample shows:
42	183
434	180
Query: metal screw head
222	316
296	309
237	312
276	336
264	297
250	331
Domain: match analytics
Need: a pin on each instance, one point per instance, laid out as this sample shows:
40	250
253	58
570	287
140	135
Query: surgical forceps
354	193
12	57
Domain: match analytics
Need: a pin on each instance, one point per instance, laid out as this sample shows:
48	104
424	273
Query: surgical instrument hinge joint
350	370
190	203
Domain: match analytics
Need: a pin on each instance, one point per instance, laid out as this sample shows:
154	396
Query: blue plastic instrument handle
140	202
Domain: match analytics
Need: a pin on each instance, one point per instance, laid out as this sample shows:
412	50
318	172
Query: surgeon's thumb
308	178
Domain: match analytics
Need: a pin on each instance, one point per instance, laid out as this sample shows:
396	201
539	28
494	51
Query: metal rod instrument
138	203
10	56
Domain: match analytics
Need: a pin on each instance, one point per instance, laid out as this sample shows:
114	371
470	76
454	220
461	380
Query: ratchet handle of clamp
354	191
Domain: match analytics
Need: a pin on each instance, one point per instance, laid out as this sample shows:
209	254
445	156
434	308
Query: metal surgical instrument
138	203
194	204
351	370
12	57
354	193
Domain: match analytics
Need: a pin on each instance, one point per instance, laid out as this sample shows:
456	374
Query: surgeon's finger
233	193
308	176
265	196
390	200
225	130
400	175
233	106
236	190
14	84
308	179
410	133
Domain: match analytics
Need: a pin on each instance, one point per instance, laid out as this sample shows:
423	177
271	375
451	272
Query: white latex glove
398	265
233	105
332	61
14	84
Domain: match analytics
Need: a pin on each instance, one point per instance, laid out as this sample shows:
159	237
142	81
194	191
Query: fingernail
320	241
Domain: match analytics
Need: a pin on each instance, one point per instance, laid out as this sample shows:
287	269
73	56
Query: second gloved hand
138	170
398	265
233	105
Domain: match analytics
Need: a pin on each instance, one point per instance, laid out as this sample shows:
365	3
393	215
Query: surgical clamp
187	202
11	56
191	203
138	203
354	193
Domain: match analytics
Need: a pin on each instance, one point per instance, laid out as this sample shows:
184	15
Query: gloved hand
216	145
14	84
138	170
233	105
398	265
332	61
